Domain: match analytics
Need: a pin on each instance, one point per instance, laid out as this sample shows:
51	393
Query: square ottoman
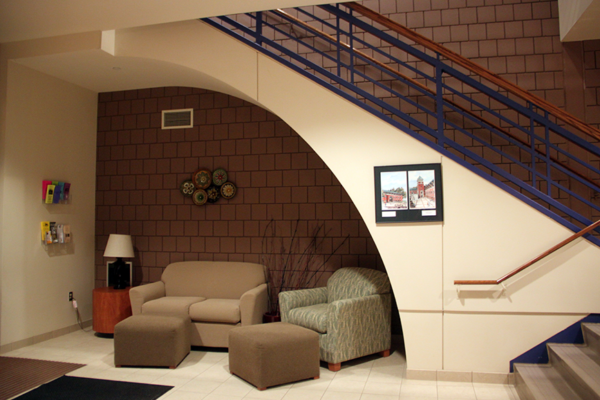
152	341
273	354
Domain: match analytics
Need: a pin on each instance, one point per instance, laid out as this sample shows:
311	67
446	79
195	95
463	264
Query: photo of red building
393	190
422	195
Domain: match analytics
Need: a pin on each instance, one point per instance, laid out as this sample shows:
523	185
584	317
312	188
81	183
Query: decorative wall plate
228	190
219	176
187	188
213	194
202	178
200	197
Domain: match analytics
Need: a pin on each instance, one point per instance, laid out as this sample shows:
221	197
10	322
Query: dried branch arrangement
294	265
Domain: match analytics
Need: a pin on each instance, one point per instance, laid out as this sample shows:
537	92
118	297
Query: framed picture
111	274
409	193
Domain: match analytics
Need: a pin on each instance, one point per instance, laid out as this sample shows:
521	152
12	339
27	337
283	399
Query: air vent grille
176	119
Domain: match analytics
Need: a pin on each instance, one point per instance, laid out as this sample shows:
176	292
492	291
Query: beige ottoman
152	341
273	354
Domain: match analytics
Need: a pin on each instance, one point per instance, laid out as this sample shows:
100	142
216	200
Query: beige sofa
216	295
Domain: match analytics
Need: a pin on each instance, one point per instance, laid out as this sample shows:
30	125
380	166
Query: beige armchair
352	315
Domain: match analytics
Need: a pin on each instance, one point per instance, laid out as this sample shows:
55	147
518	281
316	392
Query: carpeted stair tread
591	333
592	327
581	364
545	383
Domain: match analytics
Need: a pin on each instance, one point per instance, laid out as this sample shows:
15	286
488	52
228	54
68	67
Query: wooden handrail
478	69
423	87
530	263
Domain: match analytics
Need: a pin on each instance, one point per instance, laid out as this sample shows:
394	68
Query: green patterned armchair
352	315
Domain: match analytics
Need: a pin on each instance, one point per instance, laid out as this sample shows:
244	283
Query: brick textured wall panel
278	176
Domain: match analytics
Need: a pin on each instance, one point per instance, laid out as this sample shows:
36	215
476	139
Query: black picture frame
409	193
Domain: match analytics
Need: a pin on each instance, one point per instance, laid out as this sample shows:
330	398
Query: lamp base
121	279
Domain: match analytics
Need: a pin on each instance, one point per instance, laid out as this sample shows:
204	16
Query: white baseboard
460	376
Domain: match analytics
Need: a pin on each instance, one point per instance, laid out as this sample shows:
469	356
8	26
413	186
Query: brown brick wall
279	177
517	39
591	55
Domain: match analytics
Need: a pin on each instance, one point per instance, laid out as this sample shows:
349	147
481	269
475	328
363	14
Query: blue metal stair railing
511	142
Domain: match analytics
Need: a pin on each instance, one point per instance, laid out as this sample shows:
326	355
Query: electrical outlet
70	296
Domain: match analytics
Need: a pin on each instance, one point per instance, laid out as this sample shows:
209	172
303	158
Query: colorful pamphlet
50	194
45	188
66	191
53	232
67	232
45	229
57	193
60	234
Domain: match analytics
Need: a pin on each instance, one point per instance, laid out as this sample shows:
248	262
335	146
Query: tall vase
271	317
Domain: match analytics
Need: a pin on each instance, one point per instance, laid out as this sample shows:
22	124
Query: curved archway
327	123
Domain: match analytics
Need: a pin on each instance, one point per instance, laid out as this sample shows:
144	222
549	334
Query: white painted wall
48	131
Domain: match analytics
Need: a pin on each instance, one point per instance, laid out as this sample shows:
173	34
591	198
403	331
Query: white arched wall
486	231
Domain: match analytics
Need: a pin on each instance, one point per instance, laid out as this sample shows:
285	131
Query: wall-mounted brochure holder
55	233
56	192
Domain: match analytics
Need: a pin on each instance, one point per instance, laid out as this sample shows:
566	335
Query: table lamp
120	246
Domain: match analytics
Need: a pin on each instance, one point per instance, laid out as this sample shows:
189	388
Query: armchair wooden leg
385	353
334	367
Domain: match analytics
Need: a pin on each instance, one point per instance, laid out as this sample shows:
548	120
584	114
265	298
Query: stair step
579	365
542	382
591	333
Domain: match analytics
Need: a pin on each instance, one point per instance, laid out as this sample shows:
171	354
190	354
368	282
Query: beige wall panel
487	342
510	234
50	134
424	340
225	64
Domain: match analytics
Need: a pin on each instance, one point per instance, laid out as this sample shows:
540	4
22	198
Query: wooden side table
111	306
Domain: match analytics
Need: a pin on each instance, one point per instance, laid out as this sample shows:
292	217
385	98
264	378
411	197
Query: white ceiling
33	19
97	70
22	20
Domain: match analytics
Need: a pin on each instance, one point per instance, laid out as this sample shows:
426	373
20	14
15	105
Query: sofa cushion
216	310
311	317
212	279
172	305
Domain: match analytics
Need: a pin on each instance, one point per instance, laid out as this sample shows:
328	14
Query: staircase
573	371
520	142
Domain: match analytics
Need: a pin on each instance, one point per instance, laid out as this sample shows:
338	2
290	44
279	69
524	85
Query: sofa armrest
253	304
359	326
141	294
300	298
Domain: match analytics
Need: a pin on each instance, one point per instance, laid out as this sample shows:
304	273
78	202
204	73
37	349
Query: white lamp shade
119	246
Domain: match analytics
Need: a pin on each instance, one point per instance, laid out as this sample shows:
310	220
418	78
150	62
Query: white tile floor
205	375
